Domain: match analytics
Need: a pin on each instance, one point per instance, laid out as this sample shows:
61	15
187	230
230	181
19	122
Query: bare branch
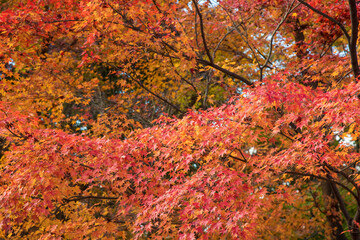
196	31
221	40
283	134
127	22
324	51
202	31
291	9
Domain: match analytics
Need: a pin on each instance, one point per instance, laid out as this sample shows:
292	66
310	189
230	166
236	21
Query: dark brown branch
79	198
244	36
221	40
202	31
340	201
352	41
65	20
234	75
182	78
328	17
239	159
316	203
149	91
355	231
83	165
127	22
196	32
16	135
349	166
156	5
156	95
242	154
324	51
344	175
20	135
190	83
208	81
236	53
326	179
201	61
283	134
354	37
338	81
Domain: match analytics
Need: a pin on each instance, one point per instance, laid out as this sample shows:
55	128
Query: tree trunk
333	214
355	230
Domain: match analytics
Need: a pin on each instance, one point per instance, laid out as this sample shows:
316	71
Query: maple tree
135	119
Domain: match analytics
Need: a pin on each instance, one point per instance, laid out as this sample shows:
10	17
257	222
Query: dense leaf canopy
179	119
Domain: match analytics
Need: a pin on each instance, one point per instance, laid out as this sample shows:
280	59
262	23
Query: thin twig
291	9
148	90
283	134
221	40
322	54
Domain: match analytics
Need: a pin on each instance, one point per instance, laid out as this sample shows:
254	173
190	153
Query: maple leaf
179	119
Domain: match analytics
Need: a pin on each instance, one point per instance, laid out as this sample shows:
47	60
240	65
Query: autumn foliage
168	119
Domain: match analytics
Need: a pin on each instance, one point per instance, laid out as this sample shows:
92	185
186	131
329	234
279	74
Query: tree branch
156	95
221	40
354	37
202	31
201	61
156	5
83	165
239	159
291	9
345	176
328	17
234	75
149	91
326	179
355	232
79	198
127	22
352	41
341	202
